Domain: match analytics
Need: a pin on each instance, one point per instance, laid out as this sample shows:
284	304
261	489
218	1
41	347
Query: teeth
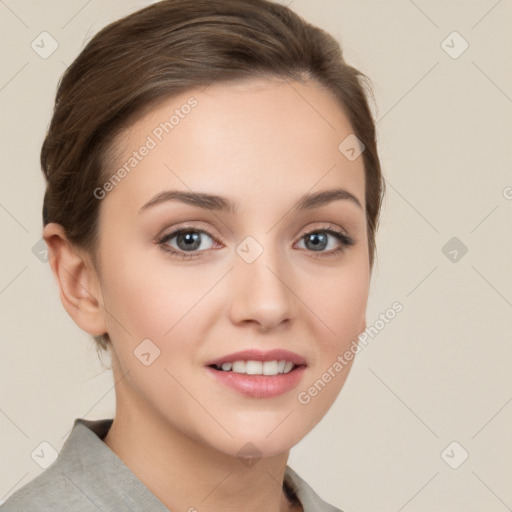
258	367
288	366
254	367
238	367
270	368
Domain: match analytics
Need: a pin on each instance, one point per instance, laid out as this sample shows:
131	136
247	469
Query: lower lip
259	386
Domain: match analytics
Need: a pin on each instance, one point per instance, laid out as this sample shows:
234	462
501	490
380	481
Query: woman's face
267	273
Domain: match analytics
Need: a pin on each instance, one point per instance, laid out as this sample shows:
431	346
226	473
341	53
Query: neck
187	474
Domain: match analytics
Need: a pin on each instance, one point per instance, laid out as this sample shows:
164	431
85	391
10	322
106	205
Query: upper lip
259	355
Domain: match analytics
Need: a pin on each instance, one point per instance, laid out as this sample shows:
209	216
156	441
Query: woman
213	193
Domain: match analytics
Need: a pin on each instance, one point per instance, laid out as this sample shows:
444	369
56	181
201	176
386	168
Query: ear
78	282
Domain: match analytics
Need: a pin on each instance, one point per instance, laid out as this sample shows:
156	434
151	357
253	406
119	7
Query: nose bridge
261	289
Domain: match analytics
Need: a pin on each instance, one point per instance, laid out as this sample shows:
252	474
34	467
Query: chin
266	441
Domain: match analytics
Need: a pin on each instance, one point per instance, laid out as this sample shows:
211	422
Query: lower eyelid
345	241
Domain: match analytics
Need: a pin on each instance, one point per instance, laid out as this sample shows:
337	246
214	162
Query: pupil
315	240
192	240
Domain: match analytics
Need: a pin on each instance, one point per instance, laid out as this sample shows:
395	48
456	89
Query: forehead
238	137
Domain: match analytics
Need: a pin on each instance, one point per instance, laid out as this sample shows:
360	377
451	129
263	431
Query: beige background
439	372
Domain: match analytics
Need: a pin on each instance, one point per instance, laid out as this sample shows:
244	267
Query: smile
251	367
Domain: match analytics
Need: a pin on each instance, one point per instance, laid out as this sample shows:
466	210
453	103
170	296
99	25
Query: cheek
339	301
339	304
150	296
340	307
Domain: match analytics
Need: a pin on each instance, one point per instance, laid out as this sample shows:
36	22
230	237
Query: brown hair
164	49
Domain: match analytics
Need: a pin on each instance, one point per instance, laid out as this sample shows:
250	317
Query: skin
262	144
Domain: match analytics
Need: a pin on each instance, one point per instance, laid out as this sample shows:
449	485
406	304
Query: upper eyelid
325	226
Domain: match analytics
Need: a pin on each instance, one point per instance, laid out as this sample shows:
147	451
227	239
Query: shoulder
87	476
65	484
50	491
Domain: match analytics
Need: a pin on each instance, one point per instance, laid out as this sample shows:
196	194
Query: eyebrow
223	204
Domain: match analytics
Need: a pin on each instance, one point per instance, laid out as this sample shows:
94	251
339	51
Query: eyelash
346	242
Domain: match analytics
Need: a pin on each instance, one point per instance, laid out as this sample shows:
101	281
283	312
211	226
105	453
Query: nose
262	292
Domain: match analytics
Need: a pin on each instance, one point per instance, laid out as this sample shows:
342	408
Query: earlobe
79	288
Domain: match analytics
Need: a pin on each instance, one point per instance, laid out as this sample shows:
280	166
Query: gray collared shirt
89	477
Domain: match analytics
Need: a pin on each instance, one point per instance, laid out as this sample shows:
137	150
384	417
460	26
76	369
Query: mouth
253	367
257	374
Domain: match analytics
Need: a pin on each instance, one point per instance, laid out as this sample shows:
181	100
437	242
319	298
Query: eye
327	238
189	241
